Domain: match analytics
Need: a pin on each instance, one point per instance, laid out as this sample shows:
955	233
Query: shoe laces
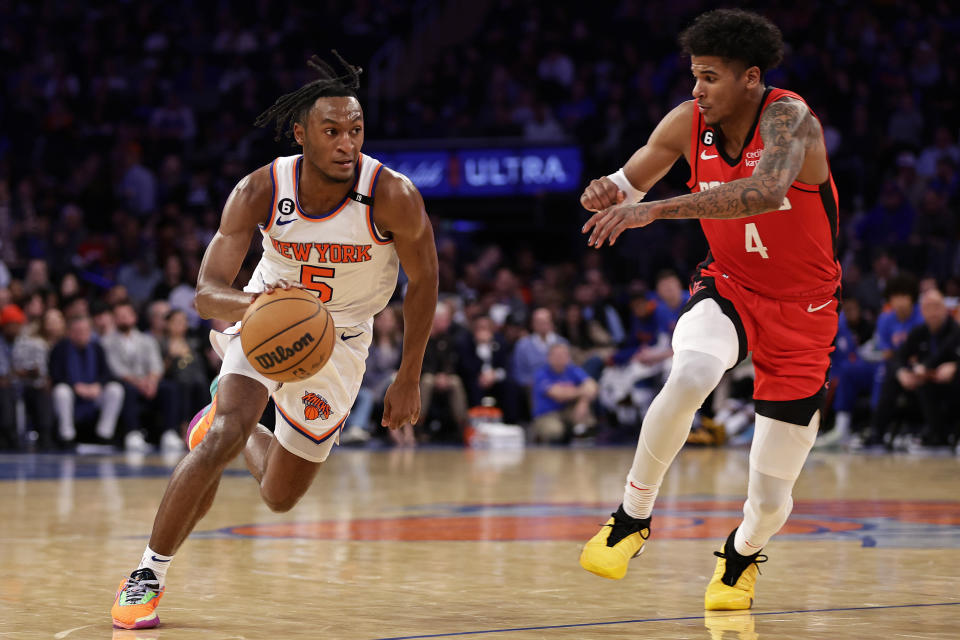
736	564
139	582
623	526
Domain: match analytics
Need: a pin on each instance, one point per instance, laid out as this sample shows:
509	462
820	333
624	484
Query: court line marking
598	624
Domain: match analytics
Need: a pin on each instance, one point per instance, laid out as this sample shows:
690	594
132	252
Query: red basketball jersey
788	254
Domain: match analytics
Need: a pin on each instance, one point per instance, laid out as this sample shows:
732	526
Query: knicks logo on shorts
315	406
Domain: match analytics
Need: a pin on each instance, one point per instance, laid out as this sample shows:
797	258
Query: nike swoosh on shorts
811	308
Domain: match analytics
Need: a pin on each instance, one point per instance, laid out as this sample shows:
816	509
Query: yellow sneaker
620	539
732	585
739	625
201	422
135	606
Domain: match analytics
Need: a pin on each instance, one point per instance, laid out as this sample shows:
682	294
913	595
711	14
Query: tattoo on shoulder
788	129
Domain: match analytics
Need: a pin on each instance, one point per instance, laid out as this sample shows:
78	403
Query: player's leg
791	357
283	476
706	343
776	457
239	401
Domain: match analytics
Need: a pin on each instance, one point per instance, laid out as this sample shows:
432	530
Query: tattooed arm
788	130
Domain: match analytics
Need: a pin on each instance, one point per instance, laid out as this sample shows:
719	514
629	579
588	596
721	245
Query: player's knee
767	506
279	503
694	377
227	435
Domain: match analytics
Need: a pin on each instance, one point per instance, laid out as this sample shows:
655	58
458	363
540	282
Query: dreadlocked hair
293	107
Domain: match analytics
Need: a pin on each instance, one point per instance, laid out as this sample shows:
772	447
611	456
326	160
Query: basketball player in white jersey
335	222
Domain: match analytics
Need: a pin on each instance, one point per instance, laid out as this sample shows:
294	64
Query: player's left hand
401	404
612	221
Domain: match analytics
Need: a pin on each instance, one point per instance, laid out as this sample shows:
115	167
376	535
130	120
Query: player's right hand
600	194
270	287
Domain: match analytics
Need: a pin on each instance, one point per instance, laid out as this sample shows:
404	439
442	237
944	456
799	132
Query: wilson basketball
287	335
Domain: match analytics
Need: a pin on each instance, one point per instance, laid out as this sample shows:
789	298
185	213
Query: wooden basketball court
451	543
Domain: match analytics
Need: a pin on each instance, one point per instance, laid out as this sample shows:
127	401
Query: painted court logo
315	406
866	523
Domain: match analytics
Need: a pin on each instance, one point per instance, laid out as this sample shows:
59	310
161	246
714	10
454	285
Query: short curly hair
735	34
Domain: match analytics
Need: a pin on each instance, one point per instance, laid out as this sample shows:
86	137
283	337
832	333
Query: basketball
287	335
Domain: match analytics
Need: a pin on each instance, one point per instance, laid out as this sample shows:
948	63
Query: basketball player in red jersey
762	189
331	193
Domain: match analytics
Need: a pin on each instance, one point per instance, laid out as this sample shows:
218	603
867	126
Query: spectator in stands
671	297
102	317
184	374
944	146
9	438
382	363
135	359
894	325
562	397
440	380
925	368
53	328
484	360
140	277
530	351
30	354
83	386
590	344
157	313
636	370
851	375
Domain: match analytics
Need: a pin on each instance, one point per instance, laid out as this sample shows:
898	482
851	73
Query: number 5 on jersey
753	241
309	279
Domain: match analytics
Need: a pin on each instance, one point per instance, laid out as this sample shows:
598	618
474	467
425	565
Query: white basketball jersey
339	255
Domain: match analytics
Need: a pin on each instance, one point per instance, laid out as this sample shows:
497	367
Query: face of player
333	137
722	87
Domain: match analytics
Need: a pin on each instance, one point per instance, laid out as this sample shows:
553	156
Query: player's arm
248	206
787	128
646	166
399	211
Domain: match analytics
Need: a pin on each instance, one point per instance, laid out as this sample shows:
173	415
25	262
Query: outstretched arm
646	166
400	211
788	130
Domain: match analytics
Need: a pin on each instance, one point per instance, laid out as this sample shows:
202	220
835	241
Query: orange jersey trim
306	433
340	207
273	200
370	224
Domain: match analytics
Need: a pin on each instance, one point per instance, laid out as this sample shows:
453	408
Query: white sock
743	546
841	423
638	498
156	562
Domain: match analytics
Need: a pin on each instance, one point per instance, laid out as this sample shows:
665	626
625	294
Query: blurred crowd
126	126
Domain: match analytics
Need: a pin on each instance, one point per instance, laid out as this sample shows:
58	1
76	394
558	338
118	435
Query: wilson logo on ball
314	406
281	354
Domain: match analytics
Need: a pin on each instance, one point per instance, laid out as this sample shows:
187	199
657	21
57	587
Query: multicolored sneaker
734	579
608	553
137	598
201	422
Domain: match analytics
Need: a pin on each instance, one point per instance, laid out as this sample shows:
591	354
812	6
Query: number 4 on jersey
753	241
